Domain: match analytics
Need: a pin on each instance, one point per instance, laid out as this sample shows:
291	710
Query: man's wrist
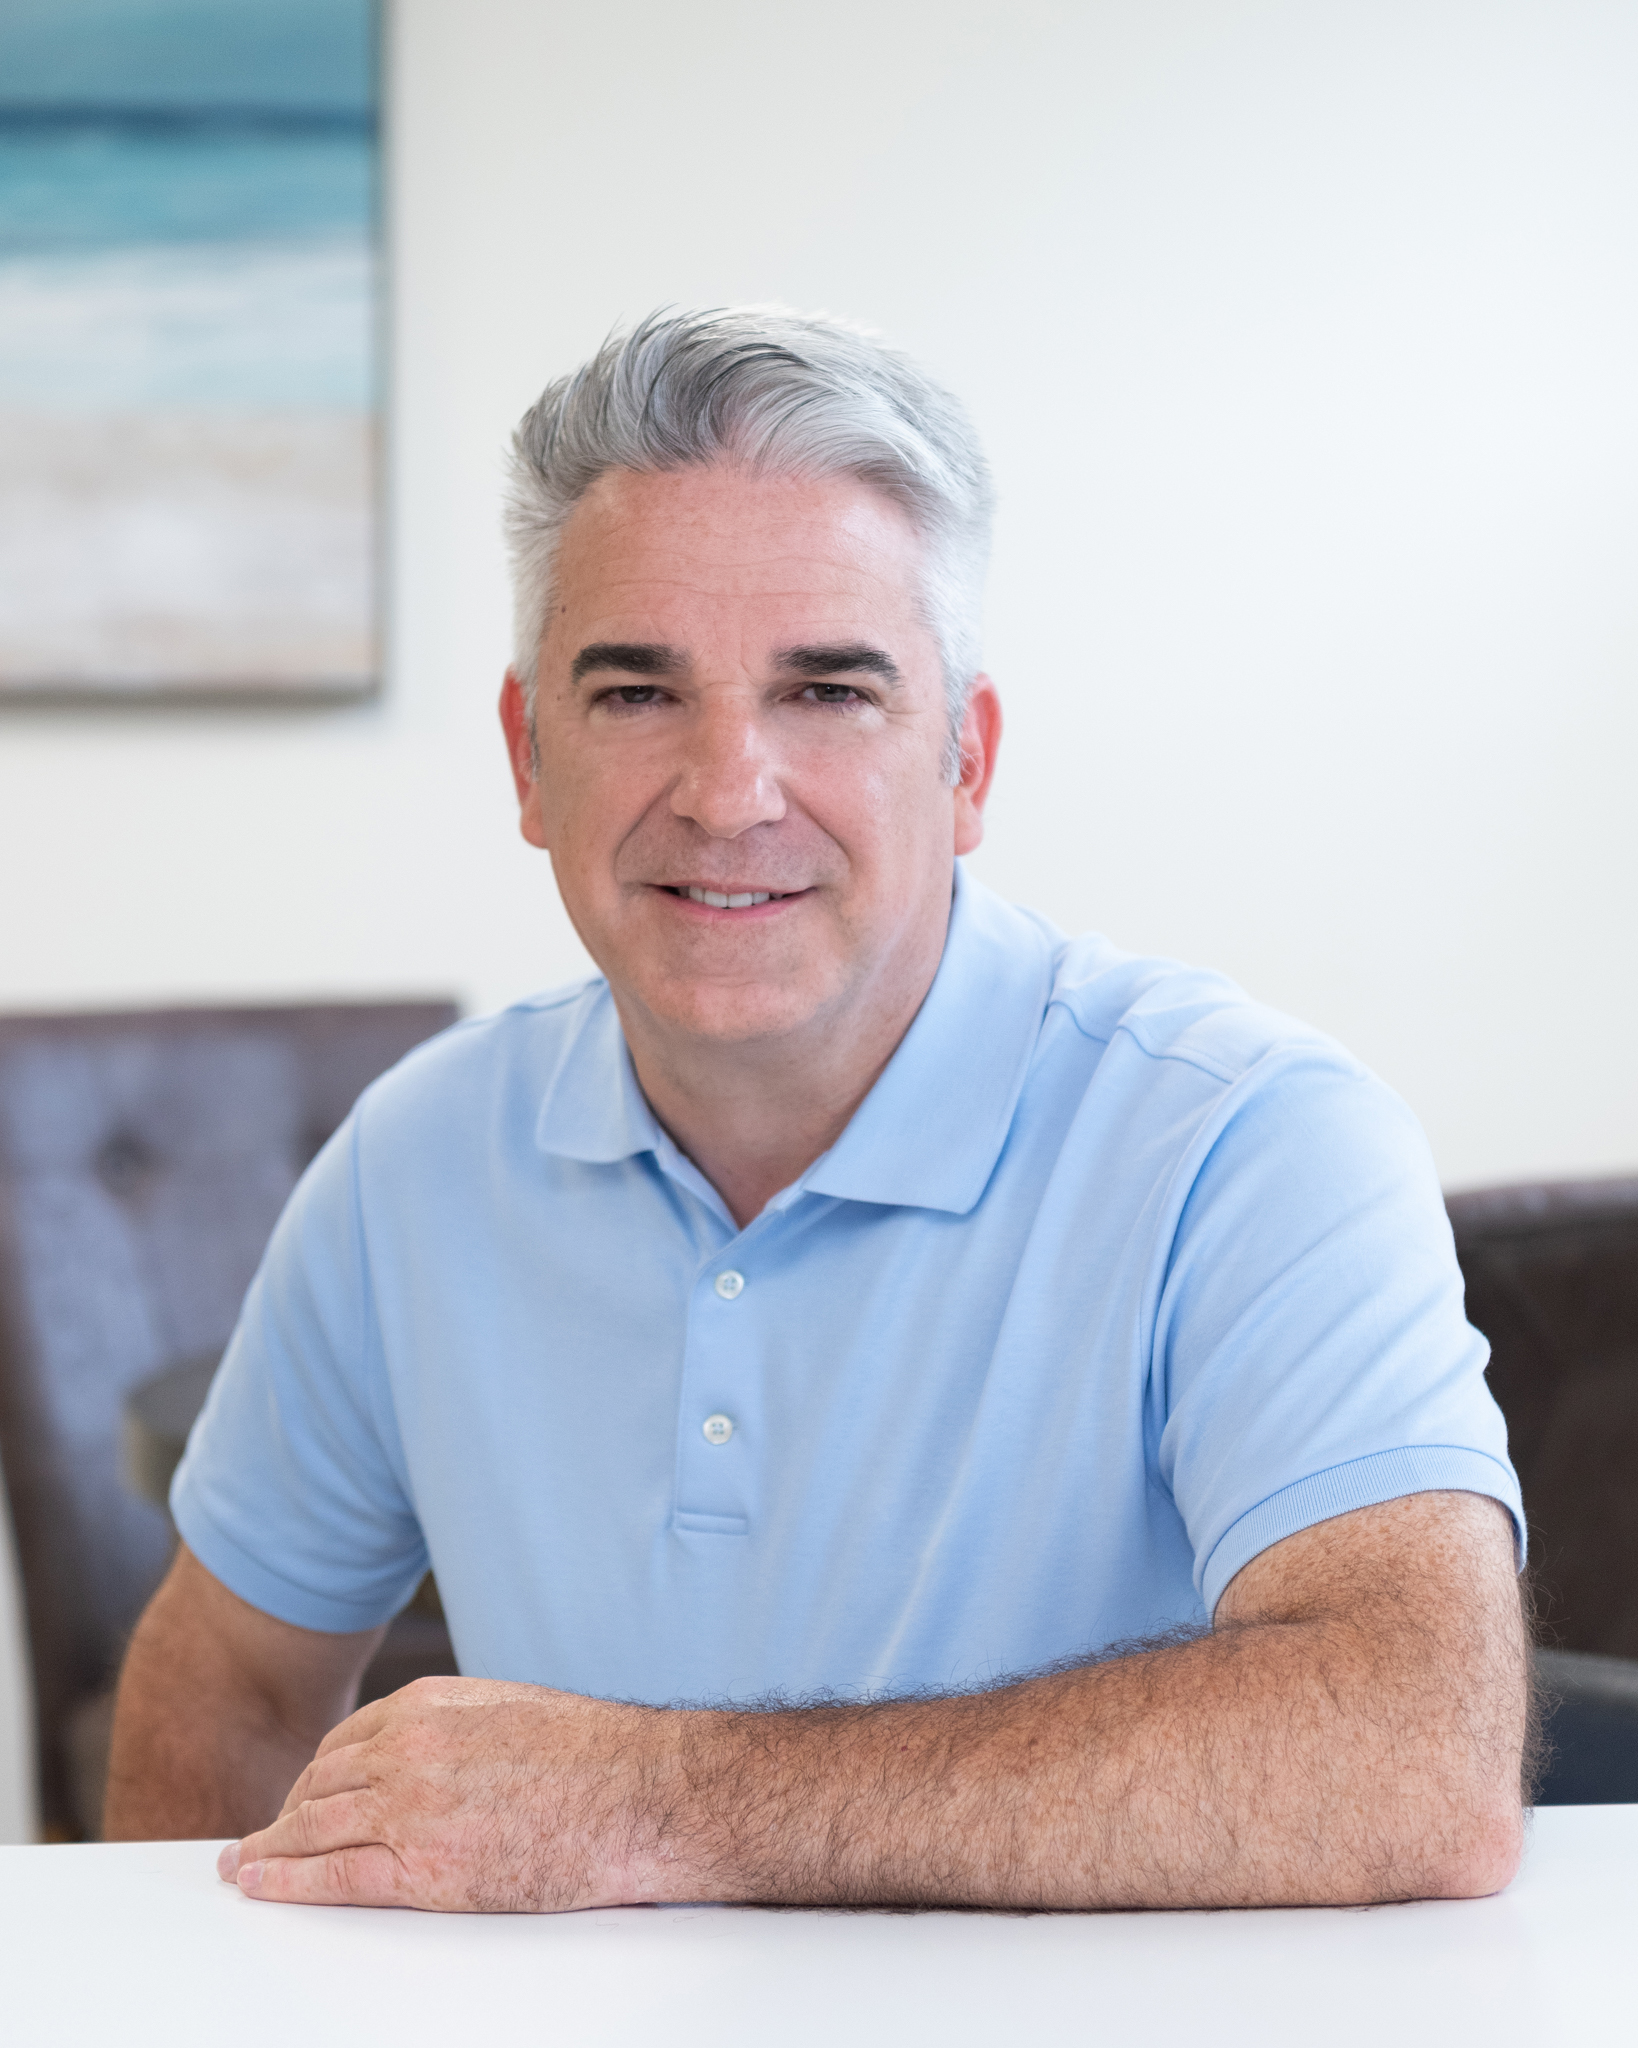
747	1807
692	1777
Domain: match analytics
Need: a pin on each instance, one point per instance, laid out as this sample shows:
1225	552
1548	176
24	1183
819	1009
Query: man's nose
730	778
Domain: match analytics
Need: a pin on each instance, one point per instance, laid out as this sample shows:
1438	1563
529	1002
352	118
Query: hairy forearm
208	1739
1267	1764
1349	1732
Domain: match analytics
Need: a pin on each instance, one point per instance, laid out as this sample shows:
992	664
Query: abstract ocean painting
188	404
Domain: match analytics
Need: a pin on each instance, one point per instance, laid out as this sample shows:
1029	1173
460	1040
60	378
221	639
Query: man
901	1406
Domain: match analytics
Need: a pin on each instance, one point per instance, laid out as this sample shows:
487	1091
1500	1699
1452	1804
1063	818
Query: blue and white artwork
188	285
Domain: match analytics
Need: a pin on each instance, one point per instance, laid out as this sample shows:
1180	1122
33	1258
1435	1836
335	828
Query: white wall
1303	338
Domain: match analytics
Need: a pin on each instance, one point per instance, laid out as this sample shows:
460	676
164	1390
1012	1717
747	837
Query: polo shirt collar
927	1136
929	1132
592	1109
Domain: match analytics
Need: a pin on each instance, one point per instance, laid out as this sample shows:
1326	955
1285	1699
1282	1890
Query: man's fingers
314	1828
367	1874
313	1817
359	1727
341	1770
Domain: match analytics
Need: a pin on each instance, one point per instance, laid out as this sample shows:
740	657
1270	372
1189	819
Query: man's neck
753	1116
748	1142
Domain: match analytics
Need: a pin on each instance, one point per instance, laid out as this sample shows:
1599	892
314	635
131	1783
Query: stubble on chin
738	993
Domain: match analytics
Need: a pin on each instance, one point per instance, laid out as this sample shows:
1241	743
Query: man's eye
632	693
832	693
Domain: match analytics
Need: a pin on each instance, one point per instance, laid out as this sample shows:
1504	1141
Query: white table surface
138	1943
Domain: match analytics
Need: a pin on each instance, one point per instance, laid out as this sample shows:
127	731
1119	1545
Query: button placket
719	1367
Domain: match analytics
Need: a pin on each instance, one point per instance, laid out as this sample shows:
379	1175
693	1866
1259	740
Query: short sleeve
1311	1350
293	1491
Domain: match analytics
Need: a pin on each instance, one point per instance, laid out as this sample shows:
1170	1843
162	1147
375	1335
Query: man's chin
743	1014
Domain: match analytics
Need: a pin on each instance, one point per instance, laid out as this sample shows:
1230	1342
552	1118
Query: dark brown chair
143	1161
1552	1281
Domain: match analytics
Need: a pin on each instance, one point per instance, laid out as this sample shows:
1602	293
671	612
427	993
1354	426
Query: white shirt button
730	1284
717	1429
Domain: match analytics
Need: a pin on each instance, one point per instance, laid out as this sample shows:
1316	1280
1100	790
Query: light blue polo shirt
1114	1279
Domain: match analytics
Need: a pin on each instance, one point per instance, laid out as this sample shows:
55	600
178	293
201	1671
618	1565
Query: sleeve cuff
274	1594
1361	1483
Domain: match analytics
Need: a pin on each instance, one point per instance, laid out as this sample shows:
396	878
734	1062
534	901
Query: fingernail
227	1864
250	1877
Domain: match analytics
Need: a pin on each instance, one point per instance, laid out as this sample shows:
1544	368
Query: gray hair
792	393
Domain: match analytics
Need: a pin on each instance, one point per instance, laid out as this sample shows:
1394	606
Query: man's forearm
218	1710
1332	1756
1252	1767
195	1761
1350	1732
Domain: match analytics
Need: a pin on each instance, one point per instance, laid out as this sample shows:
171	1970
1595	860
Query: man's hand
471	1796
1350	1732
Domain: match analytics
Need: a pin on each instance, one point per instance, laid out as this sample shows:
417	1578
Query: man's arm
1350	1731
219	1708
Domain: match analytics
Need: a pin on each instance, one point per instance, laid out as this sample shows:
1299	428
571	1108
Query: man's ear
520	752
980	743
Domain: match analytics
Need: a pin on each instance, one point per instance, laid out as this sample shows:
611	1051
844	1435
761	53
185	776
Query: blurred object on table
155	1423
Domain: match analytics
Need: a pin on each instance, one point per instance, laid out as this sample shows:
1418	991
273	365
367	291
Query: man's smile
737	900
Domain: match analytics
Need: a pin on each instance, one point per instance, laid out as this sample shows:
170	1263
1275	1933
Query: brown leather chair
1552	1281
143	1161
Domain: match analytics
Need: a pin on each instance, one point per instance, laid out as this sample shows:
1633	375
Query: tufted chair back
143	1161
1552	1281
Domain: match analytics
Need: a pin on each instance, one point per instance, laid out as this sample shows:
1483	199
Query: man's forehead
738	534
691	560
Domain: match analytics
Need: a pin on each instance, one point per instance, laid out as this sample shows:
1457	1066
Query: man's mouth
721	899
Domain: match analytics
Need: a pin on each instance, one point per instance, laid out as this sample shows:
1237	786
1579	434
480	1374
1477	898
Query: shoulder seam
1190	1058
1055	1001
1187	1059
1187	1056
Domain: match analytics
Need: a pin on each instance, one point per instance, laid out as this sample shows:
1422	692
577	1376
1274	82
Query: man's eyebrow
630	657
851	657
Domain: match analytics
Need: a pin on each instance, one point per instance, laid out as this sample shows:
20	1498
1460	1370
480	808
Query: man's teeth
718	901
